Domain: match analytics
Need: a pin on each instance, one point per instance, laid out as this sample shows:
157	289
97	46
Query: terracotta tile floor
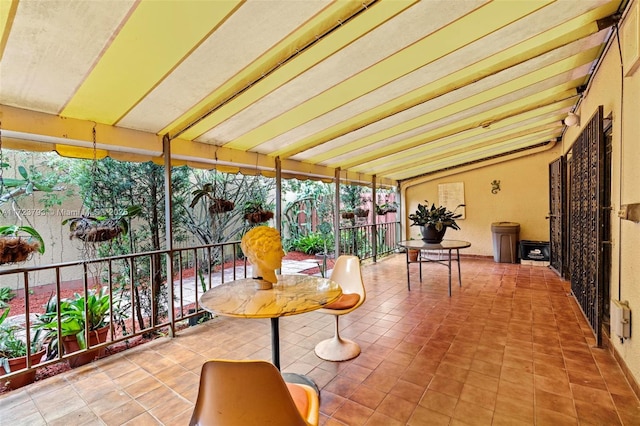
508	348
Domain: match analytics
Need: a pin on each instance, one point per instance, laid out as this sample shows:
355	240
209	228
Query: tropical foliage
439	217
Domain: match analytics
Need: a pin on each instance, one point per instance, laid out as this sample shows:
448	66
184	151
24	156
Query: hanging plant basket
100	229
361	212
257	212
92	230
347	215
16	248
219	205
258	217
216	205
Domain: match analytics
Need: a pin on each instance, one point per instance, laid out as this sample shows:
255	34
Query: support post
168	216
336	216
279	195
374	215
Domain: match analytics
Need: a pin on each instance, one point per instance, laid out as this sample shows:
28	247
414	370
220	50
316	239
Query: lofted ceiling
391	88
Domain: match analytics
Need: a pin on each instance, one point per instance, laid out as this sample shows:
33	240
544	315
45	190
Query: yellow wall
523	198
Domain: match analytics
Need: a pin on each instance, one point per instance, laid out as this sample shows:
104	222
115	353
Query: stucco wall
523	198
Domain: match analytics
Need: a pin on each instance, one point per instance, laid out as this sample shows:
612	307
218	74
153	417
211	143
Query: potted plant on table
13	353
434	221
73	322
17	243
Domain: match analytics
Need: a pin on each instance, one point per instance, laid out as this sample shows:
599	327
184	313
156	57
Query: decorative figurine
263	246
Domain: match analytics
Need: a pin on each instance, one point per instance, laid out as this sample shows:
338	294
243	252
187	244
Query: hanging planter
347	215
256	212
17	243
217	205
360	212
100	229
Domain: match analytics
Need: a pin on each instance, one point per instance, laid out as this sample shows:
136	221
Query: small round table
447	245
291	295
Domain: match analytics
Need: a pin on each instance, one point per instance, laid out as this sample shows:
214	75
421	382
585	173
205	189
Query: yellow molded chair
347	273
246	393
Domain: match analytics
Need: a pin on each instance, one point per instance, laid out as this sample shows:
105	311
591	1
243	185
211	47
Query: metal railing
359	240
138	293
140	300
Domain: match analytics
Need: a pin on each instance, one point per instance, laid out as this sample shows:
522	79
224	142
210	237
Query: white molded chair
348	274
242	393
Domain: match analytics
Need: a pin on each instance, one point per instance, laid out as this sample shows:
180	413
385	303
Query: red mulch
38	300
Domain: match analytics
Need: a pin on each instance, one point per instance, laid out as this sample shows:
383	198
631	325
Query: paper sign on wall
451	195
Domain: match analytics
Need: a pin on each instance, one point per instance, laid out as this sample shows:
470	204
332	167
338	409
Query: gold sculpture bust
263	246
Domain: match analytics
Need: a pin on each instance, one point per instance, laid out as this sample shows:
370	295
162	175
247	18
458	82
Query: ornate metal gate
586	220
557	217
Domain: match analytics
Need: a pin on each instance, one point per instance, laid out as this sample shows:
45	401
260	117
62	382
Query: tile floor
508	348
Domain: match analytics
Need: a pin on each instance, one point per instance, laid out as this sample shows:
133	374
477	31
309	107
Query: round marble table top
291	295
444	245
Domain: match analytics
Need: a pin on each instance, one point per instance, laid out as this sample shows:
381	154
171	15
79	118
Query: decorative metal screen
557	218
585	221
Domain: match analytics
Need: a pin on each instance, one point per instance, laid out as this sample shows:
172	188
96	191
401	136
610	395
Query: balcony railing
137	286
359	240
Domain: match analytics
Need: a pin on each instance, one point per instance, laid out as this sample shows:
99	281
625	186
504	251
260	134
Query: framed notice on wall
451	195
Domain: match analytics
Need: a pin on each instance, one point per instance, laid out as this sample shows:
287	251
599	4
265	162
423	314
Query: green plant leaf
23	172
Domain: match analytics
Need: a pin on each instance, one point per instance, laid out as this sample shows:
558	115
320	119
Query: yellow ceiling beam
570	31
374	16
484	20
143	53
424	153
208	156
53	129
516	136
552	95
473	156
473	101
538	115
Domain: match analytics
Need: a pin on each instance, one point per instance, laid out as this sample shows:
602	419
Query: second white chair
347	273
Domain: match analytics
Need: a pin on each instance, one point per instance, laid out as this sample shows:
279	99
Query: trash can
505	241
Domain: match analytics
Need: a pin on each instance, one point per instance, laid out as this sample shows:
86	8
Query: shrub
311	244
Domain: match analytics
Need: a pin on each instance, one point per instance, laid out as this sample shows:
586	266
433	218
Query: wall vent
620	319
